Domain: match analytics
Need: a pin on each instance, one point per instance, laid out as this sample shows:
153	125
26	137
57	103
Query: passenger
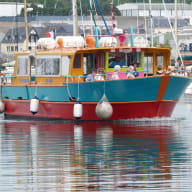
175	71
190	73
135	73
130	72
169	71
116	61
116	72
91	77
100	74
159	70
183	71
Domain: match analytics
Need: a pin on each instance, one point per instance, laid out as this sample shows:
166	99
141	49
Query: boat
50	83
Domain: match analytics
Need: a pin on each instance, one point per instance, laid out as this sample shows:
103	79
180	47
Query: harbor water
59	156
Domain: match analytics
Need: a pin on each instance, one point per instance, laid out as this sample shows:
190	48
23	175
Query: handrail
2	77
105	74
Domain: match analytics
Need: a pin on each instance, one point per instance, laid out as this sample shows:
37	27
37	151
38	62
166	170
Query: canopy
187	57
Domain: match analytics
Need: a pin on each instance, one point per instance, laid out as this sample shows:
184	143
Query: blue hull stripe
128	90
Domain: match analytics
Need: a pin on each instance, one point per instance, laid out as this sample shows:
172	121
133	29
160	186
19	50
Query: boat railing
106	76
122	75
7	79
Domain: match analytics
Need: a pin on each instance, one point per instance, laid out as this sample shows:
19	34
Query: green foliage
64	7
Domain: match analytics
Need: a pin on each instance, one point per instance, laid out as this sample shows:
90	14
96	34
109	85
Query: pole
112	18
26	24
75	20
151	23
176	20
101	13
17	40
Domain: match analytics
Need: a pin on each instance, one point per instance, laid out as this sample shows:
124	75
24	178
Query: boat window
148	63
89	62
77	61
23	65
160	60
133	57
124	59
47	65
65	65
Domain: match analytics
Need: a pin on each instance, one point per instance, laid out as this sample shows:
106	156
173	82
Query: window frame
43	66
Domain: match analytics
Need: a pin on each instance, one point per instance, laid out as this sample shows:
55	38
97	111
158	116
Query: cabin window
148	60
23	65
89	62
47	65
133	58
77	61
160	60
65	65
125	59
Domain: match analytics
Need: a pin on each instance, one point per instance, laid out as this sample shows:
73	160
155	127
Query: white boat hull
189	89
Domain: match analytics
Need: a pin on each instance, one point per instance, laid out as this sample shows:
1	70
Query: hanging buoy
2	106
104	109
34	105
77	110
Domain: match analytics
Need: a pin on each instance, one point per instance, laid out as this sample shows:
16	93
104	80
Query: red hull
65	110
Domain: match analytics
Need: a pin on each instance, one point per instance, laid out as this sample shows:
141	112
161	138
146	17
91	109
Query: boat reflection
53	156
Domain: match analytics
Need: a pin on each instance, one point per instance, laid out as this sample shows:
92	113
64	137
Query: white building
11	8
157	10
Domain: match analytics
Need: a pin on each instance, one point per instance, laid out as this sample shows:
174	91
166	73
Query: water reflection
54	156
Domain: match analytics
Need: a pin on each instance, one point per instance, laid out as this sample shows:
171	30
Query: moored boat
52	81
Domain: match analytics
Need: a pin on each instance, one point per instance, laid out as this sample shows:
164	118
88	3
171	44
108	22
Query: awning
9	64
185	58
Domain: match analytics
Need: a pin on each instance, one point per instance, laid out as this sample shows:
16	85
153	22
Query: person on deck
171	71
116	72
190	73
160	70
100	75
91	77
130	72
117	61
183	71
135	73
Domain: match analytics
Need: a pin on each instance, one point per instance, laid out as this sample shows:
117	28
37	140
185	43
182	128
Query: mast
101	13
17	32
151	23
26	24
96	30
112	17
176	20
75	19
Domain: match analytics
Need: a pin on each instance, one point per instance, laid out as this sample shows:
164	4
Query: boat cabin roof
50	66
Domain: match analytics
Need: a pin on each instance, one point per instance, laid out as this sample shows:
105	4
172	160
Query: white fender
77	110
2	106
104	110
34	105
